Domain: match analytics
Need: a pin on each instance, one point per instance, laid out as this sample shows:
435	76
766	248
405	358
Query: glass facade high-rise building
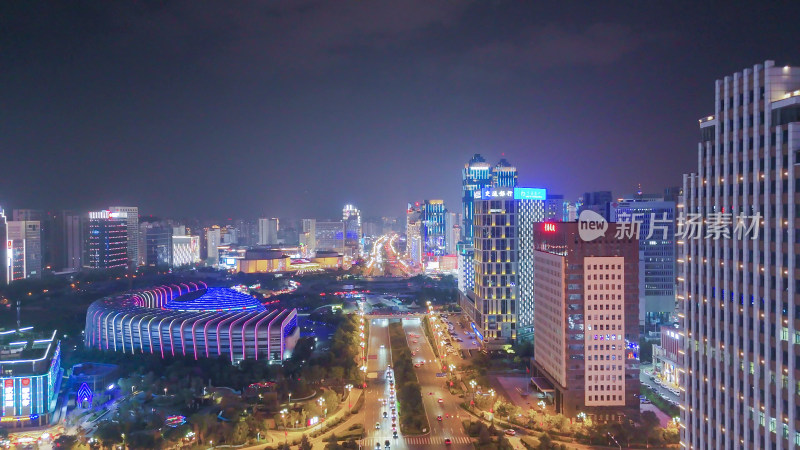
477	174
656	224
530	214
738	289
434	239
504	174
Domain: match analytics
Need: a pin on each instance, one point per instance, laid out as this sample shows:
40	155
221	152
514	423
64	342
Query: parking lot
669	394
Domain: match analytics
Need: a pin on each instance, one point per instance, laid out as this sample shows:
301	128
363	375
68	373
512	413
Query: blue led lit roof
214	299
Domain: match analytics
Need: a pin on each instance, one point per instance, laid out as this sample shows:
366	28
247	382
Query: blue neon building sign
530	194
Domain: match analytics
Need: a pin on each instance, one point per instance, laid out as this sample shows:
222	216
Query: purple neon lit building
194	320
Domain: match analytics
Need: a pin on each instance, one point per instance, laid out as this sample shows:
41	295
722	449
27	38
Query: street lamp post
285	431
349	387
290	399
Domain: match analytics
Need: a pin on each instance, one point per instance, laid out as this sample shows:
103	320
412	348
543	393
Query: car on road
385	415
644	400
383	346
377	425
447	441
417	365
510	432
377	446
387	443
441	400
439	418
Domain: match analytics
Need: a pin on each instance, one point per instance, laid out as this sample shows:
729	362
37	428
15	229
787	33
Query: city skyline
109	115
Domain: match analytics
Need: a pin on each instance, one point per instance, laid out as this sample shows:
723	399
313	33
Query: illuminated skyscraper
587	328
351	217
414	243
504	174
433	232
738	290
135	258
477	174
108	239
24	239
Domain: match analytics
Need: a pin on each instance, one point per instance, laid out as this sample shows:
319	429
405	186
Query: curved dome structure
191	319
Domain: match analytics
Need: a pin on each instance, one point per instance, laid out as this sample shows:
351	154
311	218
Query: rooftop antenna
18	315
639	191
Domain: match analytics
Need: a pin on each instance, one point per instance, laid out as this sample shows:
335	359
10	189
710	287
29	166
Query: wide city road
435	396
379	390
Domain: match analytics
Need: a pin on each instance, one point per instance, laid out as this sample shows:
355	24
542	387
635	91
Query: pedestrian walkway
412	440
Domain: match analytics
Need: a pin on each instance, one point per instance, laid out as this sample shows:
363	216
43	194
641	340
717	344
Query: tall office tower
477	174
493	307
672	193
414	244
46	232
185	250
330	236
587	327
433	232
157	244
450	221
554	208
308	239
504	174
530	210
268	231
453	238
132	214
108	240
351	217
69	232
4	253
738	294
25	240
213	241
597	201
466	270
655	221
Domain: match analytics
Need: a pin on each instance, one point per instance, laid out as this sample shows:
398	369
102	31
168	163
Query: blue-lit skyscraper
504	174
433	230
477	175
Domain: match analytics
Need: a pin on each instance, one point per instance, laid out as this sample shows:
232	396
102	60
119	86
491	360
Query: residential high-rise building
268	231
586	321
108	240
414	244
433	232
504	174
213	241
330	236
738	267
466	271
655	220
308	238
351	217
450	222
24	239
132	214
477	174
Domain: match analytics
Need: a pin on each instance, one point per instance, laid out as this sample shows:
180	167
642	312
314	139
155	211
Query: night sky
294	108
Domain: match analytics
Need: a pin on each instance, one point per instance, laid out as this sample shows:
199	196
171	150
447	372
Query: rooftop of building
214	299
25	345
